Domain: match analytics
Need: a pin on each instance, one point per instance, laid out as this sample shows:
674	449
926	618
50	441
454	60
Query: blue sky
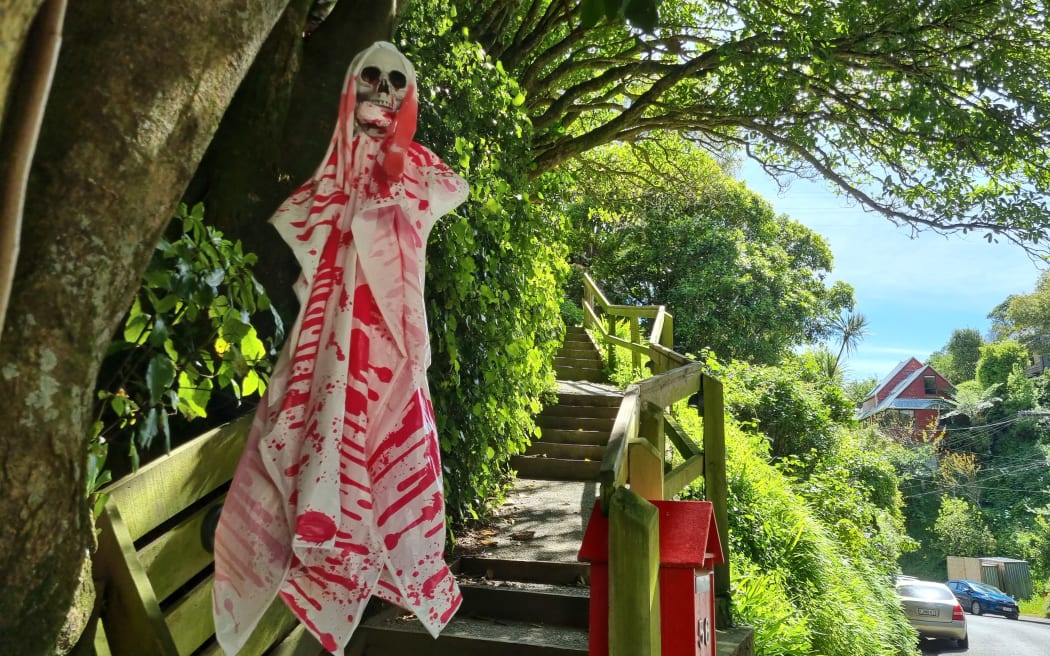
914	292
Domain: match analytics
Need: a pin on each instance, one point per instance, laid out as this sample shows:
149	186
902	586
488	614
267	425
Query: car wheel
1013	616
964	643
975	607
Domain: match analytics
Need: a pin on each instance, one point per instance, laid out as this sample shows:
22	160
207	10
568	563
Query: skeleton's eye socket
398	79
371	75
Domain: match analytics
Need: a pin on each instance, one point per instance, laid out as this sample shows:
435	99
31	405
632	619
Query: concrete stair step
574	436
565	451
520	608
581	347
590	375
574	398
589	411
474	636
577	363
526	602
575	367
576	423
590	358
582	344
555	469
574	574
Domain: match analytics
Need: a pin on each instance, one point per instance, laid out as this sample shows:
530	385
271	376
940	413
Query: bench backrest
155	567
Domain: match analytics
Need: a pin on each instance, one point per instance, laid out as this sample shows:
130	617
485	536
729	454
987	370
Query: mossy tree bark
138	94
278	128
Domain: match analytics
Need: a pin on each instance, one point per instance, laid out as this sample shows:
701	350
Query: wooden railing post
634	575
610	328
588	302
716	485
636	338
646	454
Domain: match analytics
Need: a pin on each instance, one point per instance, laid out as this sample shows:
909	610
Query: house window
930	384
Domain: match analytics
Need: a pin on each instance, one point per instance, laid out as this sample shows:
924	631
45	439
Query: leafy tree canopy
973	402
998	360
1026	317
957	361
739	279
933	113
965	349
494	270
797	413
961	530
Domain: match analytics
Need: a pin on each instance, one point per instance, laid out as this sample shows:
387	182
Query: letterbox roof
688	535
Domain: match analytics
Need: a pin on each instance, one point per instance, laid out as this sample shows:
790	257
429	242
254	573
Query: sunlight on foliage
187	340
494	267
814	548
847	604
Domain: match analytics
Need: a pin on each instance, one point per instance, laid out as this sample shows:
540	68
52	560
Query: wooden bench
154	569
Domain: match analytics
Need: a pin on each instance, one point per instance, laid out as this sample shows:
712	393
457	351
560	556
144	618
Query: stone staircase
573	435
529	596
523	602
511	608
578	358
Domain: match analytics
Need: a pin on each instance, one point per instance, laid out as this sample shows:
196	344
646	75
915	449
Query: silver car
933	610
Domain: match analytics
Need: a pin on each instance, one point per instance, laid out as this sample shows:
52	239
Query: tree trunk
16	17
26	67
138	94
278	128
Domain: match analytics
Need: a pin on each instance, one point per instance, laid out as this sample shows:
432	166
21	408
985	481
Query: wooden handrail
634	456
594	300
613	471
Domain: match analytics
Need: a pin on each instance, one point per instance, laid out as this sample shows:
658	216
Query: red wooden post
689	549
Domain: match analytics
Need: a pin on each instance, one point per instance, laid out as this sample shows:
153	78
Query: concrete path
542	520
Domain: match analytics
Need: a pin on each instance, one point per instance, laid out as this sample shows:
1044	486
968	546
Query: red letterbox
689	550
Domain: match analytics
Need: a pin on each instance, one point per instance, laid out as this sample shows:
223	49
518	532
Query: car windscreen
930	592
984	587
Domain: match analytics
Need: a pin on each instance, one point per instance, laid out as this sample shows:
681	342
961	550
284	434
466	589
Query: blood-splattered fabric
338	495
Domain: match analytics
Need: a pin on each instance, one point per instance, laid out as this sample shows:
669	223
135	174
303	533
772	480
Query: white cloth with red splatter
339	495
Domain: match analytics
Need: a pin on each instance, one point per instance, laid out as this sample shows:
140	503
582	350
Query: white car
933	610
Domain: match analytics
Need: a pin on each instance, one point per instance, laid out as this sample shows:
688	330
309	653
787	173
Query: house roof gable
892	397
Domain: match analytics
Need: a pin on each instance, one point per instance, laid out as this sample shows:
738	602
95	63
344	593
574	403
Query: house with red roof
909	400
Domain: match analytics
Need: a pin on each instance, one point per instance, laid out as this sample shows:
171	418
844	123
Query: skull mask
382	81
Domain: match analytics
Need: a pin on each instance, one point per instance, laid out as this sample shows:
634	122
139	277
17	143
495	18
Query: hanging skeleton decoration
339	495
381	88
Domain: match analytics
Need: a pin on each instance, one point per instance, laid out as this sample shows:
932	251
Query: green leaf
252	347
169	348
137	324
234	328
147	429
160	374
165	429
194	396
250	384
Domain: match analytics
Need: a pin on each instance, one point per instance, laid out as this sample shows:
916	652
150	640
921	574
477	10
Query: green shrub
187	347
494	266
571	312
843	601
797	418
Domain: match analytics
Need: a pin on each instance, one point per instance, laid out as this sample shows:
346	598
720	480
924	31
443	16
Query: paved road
992	635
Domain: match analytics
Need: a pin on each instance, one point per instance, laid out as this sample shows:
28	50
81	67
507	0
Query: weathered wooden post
623	549
646	454
636	338
716	485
